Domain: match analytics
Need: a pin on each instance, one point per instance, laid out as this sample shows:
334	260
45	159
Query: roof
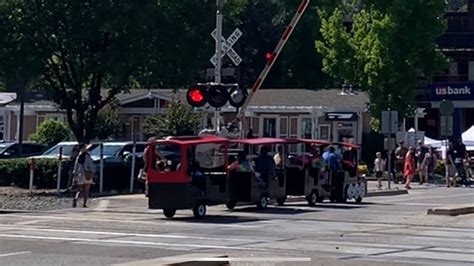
279	98
261	141
193	140
296	99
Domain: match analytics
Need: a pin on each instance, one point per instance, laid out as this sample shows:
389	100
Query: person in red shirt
409	167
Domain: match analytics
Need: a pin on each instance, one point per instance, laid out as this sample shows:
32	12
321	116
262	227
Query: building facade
283	113
456	84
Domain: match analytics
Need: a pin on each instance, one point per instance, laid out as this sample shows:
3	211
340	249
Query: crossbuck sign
227	47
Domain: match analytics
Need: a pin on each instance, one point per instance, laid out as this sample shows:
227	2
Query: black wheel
359	199
169	213
281	202
313	199
199	210
231	204
262	202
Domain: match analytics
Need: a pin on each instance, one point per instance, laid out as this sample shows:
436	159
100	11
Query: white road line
109	233
102	206
128	242
14	254
183	224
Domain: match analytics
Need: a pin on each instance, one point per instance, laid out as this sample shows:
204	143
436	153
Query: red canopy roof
261	141
194	140
314	141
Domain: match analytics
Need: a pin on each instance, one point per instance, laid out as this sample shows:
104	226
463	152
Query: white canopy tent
433	142
468	137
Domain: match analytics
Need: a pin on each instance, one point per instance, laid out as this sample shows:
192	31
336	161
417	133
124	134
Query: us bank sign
452	91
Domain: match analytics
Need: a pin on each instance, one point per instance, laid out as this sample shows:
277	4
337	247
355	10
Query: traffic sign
446	125
446	107
389	122
227	47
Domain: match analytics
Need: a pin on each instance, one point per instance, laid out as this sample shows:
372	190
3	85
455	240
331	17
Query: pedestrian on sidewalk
400	154
409	167
83	173
379	168
427	166
449	164
420	152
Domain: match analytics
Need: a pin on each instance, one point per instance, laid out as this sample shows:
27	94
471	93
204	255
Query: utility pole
218	68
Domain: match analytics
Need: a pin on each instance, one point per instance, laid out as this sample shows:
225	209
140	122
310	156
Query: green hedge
16	171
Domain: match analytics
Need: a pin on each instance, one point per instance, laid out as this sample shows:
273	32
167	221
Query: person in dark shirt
459	155
265	165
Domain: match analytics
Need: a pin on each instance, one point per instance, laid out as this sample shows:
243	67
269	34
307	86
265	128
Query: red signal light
268	56
196	96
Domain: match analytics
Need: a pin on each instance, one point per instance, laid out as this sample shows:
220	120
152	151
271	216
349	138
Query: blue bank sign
462	91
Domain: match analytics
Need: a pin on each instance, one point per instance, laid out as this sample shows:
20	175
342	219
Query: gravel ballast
13	198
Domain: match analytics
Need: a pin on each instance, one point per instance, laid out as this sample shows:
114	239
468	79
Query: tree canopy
386	48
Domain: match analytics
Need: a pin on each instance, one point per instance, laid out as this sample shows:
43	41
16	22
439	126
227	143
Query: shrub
179	119
51	132
16	171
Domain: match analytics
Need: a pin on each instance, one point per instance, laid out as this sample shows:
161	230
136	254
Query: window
471	71
453	68
324	132
283	127
306	128
256	126
269	127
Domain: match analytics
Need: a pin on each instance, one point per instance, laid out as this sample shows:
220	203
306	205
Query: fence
116	172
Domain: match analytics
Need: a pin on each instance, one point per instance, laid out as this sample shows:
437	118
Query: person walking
83	173
409	168
379	168
400	154
420	152
427	166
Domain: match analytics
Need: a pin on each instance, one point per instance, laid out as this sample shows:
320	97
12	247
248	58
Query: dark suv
12	149
117	163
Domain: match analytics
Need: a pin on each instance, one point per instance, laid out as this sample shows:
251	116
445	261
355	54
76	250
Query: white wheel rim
201	210
350	191
263	201
356	190
314	198
362	190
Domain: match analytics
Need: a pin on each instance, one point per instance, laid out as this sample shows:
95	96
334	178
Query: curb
8	211
452	211
386	193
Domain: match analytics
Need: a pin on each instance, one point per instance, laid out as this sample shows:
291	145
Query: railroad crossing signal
227	47
216	95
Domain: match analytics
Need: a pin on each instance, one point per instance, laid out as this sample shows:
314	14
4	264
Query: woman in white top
379	168
83	173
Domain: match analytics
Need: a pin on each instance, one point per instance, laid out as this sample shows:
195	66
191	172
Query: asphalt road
393	230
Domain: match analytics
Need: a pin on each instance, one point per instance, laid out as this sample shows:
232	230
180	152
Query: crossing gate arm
276	52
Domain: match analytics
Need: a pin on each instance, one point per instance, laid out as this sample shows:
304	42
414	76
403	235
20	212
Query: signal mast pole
218	67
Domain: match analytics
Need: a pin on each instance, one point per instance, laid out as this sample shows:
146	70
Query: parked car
117	158
12	149
53	152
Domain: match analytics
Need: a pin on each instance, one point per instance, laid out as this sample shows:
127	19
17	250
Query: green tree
51	132
179	119
388	50
85	52
108	123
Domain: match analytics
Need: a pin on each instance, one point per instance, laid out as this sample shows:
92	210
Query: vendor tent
433	142
468	137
